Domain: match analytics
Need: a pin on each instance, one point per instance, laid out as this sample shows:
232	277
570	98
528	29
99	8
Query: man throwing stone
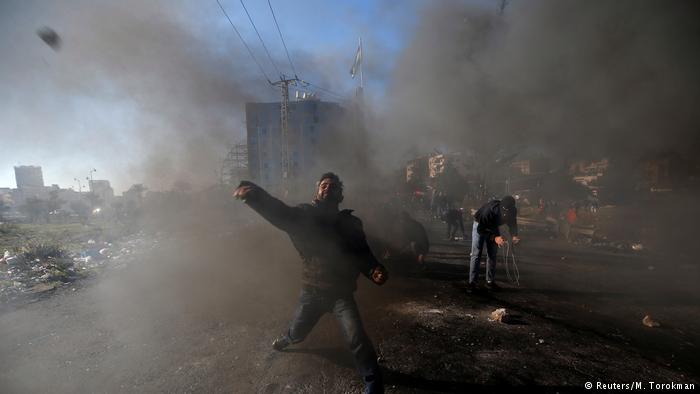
334	252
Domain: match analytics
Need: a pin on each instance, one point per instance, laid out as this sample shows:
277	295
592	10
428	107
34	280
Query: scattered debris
45	267
649	322
499	315
12	260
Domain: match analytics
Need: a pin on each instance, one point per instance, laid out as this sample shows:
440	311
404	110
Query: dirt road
184	320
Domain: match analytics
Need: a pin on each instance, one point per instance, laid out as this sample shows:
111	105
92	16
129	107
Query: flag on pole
358	61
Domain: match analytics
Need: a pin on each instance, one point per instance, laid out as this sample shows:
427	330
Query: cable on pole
261	40
327	91
281	38
243	41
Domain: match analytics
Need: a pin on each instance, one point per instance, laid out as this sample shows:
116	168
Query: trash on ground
500	315
650	322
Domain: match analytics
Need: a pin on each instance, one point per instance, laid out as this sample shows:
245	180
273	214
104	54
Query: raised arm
273	210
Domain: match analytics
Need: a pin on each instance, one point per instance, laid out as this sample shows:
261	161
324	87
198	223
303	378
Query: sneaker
374	384
471	287
280	343
493	286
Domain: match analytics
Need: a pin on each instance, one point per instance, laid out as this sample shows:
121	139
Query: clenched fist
242	192
379	275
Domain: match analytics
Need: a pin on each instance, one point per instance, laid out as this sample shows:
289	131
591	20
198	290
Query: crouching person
488	221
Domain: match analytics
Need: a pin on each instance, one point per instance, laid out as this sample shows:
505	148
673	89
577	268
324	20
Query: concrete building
535	166
103	190
588	172
29	177
311	124
30	184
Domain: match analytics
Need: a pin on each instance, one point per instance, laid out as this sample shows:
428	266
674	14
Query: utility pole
89	179
287	170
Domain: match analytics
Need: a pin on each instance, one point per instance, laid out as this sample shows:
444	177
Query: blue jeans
315	303
478	242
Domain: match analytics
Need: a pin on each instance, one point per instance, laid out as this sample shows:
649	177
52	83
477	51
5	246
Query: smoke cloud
573	78
136	82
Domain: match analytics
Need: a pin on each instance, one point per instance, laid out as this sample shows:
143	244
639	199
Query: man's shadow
343	358
397	378
338	356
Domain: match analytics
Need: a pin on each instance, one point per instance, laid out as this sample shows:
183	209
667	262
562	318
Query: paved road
185	320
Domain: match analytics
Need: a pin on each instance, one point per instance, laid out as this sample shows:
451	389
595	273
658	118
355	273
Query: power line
283	43
243	41
330	92
261	40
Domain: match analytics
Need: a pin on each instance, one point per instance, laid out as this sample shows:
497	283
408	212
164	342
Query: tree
81	209
119	210
93	199
35	208
4	207
54	204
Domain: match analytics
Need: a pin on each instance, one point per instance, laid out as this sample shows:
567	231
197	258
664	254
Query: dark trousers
478	242
315	303
452	228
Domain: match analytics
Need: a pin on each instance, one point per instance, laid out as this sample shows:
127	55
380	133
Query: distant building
664	172
531	166
234	168
310	124
103	190
135	195
29	177
417	171
587	172
30	184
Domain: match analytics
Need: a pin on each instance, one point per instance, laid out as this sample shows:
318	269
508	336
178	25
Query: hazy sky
153	91
142	91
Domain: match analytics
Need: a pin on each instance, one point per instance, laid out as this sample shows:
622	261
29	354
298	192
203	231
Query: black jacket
453	216
414	233
331	243
489	218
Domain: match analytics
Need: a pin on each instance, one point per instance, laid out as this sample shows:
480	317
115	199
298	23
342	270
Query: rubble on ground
21	273
499	315
650	322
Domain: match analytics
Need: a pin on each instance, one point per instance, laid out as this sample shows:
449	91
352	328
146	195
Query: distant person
571	215
594	203
334	251
542	208
488	222
416	237
406	244
569	220
454	220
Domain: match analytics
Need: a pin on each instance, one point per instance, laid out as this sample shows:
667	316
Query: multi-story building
103	190
29	177
30	184
311	124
